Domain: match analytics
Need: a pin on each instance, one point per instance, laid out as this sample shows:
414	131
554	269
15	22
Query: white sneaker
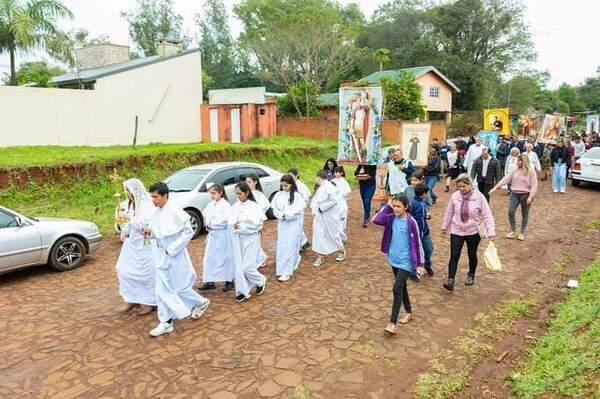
162	328
285	277
318	262
198	311
555	191
341	256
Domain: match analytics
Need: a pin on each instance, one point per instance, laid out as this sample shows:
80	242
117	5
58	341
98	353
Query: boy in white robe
175	275
135	266
344	189
288	207
325	206
218	257
305	192
248	218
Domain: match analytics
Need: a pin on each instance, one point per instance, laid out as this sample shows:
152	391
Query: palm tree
382	56
33	25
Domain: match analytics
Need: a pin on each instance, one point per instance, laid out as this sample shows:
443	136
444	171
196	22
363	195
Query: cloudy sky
566	37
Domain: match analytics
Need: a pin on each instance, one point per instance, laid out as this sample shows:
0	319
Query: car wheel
575	182
67	254
197	222
270	215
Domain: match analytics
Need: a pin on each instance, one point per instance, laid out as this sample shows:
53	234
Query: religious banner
360	124
489	139
529	125
415	142
551	128
592	123
381	178
497	120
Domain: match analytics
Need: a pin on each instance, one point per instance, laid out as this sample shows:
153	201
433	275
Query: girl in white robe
261	199
305	192
288	207
248	218
135	266
218	257
344	189
325	206
175	274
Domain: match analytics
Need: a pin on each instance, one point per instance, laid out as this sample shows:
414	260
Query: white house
107	98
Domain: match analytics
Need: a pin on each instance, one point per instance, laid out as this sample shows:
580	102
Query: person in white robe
305	192
473	153
247	218
288	207
171	228
135	266
344	189
218	256
325	206
261	199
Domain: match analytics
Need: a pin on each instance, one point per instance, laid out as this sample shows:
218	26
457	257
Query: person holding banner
399	171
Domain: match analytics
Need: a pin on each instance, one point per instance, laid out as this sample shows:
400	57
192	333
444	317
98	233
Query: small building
239	115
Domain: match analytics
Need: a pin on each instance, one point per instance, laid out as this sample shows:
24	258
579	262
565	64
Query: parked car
61	243
587	168
189	187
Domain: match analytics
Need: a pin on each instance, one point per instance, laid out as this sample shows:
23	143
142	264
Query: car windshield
186	180
594	153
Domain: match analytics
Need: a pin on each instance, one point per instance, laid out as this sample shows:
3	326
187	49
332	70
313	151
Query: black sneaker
228	286
470	280
305	246
429	271
416	277
241	298
207	287
260	290
449	284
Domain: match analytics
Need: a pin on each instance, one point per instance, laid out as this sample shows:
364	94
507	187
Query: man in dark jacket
488	172
502	152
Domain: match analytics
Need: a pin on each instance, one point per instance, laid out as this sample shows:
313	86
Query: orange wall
441	104
252	123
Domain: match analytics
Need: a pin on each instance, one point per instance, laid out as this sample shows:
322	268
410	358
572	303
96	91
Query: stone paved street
320	335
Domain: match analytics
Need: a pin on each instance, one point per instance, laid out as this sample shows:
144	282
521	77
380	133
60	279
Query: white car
587	168
188	187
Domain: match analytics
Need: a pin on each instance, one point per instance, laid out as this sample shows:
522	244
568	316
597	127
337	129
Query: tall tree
82	37
151	21
570	95
298	41
590	91
39	73
31	25
382	56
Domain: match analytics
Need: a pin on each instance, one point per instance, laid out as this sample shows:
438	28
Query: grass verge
92	198
566	360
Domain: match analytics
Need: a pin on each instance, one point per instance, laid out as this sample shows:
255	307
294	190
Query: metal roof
375	77
328	100
91	75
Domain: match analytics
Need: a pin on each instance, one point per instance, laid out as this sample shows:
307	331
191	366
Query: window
434	92
223	177
248	170
593	153
186	180
7	220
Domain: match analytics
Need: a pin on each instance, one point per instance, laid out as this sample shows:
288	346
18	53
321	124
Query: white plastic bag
491	259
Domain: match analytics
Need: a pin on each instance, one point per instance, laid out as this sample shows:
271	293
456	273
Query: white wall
166	96
245	95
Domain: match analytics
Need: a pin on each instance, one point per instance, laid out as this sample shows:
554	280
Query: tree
382	56
402	97
33	25
151	21
298	41
590	92
569	95
521	91
82	37
38	73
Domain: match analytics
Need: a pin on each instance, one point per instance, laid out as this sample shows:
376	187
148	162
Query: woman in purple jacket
401	243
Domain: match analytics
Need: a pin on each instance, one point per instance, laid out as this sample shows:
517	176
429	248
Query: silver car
61	243
188	187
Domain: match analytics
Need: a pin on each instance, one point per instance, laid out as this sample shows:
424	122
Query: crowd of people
155	270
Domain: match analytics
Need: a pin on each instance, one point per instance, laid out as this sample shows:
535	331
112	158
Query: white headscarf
143	206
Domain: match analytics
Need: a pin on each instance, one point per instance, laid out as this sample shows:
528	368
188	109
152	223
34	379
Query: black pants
456	246
485	189
400	291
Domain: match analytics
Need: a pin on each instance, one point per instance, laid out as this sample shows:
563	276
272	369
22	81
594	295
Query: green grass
16	157
566	360
92	199
560	265
592	224
441	383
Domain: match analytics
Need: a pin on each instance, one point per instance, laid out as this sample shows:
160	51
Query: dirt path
319	335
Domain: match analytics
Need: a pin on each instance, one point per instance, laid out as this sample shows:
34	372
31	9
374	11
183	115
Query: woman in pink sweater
524	185
466	210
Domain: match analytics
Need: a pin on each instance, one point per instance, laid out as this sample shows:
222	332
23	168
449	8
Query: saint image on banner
360	124
415	142
551	127
414	149
496	120
591	122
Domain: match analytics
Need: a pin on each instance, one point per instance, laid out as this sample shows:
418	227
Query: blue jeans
559	177
430	183
427	249
366	193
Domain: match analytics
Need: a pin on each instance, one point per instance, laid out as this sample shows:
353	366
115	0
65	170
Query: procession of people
155	270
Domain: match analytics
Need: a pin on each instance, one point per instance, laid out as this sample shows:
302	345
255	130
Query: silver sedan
61	243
